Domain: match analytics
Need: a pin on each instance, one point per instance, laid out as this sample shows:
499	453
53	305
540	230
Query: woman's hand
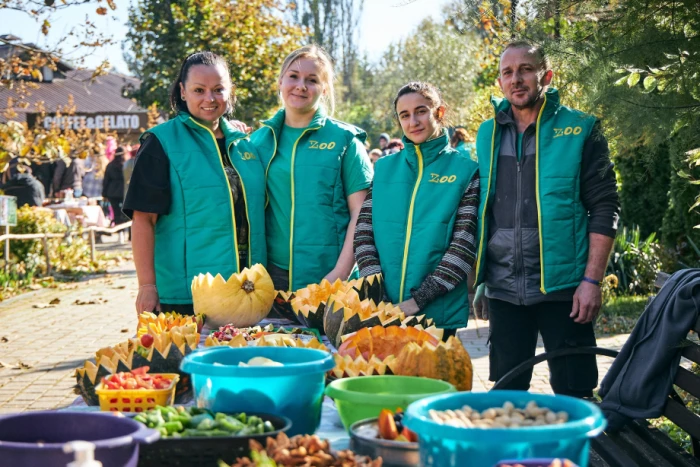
147	299
409	307
335	274
240	126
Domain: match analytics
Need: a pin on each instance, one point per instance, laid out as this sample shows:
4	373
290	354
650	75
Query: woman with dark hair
418	222
462	142
197	192
113	185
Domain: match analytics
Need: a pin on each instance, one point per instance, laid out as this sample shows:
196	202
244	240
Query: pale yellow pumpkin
243	300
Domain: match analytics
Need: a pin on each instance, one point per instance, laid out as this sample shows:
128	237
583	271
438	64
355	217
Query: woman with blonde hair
94	176
317	173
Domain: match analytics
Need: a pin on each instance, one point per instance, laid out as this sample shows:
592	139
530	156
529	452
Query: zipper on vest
409	224
245	200
517	238
537	191
481	252
230	195
267	169
291	217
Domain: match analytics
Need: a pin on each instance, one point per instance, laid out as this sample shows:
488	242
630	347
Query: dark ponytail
430	92
198	58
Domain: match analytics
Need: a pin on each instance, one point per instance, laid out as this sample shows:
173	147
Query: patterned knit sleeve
366	253
459	258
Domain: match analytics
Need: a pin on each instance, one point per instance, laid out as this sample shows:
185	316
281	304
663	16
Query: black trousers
513	333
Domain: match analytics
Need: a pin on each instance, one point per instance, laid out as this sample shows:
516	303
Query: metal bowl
364	439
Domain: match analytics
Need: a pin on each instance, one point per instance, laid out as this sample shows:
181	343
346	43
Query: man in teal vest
547	221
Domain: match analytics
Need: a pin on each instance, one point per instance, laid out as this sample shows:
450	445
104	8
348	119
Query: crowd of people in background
460	140
101	177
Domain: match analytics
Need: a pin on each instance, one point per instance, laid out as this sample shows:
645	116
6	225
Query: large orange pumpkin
382	342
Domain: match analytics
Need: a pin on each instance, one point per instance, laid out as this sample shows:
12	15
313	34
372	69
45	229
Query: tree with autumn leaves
253	36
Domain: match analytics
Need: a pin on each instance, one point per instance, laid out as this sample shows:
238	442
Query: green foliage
636	261
680	217
432	53
619	314
29	221
644	174
252	35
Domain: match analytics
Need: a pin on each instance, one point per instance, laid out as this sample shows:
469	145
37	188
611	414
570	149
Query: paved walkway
474	338
41	347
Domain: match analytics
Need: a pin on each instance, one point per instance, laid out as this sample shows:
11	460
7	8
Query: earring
182	97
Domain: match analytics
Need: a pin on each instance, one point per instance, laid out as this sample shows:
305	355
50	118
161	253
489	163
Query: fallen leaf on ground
35	287
16	366
55	301
95	301
4	339
43	305
125	330
68	287
119	287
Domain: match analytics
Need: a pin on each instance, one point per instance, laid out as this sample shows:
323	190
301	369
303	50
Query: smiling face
206	91
301	86
523	78
419	117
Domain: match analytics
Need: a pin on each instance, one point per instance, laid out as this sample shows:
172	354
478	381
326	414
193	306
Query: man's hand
409	307
147	300
587	301
481	303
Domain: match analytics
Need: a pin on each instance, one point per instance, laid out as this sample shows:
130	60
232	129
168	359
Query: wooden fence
45	236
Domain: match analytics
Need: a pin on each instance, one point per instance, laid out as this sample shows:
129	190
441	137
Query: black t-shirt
149	188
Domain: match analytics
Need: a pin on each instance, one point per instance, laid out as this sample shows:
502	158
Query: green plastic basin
364	397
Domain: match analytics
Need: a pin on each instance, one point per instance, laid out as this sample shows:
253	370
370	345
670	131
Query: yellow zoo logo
436	178
567	131
316	145
247	156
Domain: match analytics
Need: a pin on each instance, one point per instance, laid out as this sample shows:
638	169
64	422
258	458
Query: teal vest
562	219
320	214
198	235
415	197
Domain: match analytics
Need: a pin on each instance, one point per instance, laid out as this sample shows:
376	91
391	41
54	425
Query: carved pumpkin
243	300
164	356
346	314
448	361
382	342
310	303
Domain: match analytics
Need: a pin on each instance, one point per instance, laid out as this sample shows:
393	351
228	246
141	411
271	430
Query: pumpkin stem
248	286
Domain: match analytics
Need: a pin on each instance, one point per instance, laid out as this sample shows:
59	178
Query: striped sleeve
366	253
459	258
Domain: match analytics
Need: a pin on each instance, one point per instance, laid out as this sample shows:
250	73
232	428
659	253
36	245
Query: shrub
635	261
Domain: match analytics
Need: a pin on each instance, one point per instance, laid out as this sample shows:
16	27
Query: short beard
532	101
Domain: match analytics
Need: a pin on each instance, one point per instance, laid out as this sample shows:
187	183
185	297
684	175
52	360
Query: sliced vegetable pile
391	427
136	379
176	422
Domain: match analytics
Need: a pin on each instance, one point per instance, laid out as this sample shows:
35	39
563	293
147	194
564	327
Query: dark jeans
513	339
182	309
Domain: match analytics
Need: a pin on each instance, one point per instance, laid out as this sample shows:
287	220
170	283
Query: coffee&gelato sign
107	121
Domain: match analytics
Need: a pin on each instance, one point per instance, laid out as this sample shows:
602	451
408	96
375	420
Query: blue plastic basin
442	445
294	390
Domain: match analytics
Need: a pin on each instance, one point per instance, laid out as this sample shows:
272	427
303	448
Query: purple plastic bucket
116	439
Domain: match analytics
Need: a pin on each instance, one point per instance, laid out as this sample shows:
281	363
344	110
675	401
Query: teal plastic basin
442	445
294	390
364	397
